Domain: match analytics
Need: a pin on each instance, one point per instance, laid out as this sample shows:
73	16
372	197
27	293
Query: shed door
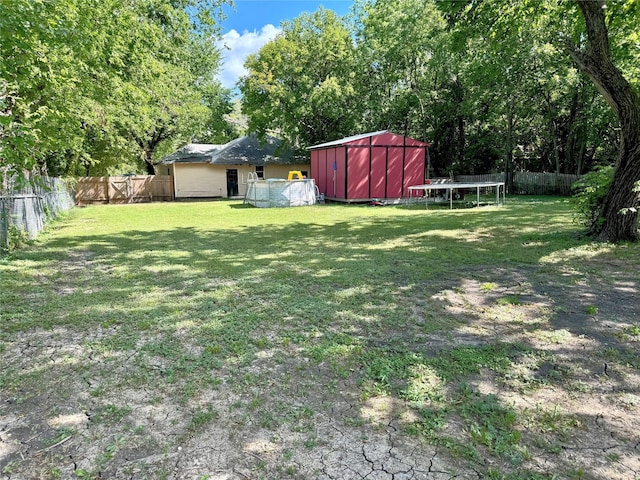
232	182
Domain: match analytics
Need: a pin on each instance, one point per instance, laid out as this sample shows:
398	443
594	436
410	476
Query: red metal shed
372	165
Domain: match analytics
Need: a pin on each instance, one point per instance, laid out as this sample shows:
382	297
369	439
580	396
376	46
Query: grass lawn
214	340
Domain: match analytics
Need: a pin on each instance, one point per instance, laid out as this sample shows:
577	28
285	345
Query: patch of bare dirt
271	423
78	410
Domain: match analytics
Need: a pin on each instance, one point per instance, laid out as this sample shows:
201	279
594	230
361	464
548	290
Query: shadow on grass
359	298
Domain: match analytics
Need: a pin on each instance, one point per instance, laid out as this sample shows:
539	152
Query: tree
470	89
399	48
619	210
37	74
164	106
164	92
579	29
522	97
300	83
89	86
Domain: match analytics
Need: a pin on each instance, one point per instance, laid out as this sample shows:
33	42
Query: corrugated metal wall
380	166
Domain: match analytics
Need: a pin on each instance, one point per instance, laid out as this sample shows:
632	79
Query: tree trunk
148	162
508	167
148	144
621	204
459	96
596	62
553	128
580	156
574	144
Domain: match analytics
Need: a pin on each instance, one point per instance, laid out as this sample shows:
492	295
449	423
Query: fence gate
120	190
124	189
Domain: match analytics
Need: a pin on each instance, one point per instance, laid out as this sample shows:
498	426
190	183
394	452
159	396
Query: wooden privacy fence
530	183
125	189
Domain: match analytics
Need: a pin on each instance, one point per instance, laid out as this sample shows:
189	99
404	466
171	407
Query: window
260	171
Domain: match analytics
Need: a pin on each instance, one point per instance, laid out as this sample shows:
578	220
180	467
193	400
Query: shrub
13	239
588	194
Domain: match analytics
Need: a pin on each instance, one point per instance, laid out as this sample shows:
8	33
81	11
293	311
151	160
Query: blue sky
252	23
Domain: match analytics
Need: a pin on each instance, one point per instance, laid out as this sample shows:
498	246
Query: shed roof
348	139
353	139
247	150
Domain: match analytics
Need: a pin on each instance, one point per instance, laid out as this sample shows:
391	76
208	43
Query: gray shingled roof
247	150
191	153
250	150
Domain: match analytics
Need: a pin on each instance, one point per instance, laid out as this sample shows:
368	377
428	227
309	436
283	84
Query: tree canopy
300	84
95	87
495	92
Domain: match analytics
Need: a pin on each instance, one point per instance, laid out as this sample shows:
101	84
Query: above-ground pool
278	192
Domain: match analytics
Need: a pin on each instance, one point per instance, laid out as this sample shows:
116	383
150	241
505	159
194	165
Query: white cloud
235	49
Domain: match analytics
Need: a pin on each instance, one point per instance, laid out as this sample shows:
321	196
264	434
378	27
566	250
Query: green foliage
300	83
491	423
400	56
509	300
589	193
489	83
111	414
592	310
467	360
61	435
202	418
634	330
543	114
17	238
387	372
594	37
84	90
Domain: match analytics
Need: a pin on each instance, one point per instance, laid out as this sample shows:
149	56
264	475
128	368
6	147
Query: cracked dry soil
111	413
274	427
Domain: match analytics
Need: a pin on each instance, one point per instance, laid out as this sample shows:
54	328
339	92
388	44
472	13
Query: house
367	166
209	171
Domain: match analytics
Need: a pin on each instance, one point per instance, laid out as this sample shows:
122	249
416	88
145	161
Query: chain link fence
25	211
